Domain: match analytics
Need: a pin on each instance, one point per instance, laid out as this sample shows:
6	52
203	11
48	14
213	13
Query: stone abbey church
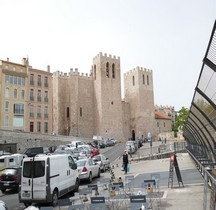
88	105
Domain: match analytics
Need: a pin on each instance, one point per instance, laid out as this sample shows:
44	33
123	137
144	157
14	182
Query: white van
11	160
45	178
77	143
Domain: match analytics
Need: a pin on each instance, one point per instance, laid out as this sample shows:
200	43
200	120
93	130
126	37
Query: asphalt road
11	197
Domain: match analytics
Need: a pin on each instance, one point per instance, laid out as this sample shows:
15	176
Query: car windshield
81	163
97	158
130	144
8	171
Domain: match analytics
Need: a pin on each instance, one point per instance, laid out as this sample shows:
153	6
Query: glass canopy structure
200	127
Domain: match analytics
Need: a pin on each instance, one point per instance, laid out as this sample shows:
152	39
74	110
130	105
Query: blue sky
168	36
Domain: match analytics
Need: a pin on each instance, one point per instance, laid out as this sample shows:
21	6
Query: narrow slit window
68	112
133	80
80	111
107	69
147	80
113	71
95	72
143	79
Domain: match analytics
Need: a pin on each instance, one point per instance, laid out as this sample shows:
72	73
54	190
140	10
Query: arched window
95	72
147	80
143	79
113	71
107	69
133	81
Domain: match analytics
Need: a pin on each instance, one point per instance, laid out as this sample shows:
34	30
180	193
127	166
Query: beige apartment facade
26	98
39	112
13	95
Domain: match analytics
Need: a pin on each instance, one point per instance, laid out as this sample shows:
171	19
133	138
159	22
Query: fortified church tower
139	94
107	96
87	105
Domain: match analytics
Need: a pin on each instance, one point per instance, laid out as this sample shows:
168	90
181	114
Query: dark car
110	143
32	151
99	143
10	178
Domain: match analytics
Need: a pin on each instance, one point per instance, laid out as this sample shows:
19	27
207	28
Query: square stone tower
107	96
139	94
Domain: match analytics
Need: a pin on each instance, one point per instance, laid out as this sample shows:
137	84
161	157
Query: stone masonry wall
26	140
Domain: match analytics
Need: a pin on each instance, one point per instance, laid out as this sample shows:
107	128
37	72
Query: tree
180	120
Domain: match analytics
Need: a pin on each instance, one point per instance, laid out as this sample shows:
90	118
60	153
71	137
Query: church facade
87	105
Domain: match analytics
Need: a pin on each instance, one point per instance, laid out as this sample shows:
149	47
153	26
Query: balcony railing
46	99
46	116
38	115
46	84
39	83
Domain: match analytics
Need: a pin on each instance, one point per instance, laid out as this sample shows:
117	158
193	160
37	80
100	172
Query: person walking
130	151
125	161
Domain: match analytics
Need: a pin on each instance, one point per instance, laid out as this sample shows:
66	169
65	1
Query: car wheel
27	204
77	186
98	173
108	166
90	178
54	198
3	190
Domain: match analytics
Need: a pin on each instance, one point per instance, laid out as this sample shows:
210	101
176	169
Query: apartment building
13	95
39	84
25	97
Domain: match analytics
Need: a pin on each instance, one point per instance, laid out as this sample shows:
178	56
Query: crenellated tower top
73	72
102	56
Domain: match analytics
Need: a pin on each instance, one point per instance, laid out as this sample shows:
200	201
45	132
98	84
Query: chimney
7	59
24	61
48	68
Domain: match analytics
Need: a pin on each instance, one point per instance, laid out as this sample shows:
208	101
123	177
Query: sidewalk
189	197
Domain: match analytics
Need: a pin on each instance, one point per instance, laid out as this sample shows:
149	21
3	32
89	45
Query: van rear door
33	183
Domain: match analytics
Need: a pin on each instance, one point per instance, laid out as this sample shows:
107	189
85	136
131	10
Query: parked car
77	143
130	147
32	151
99	143
94	151
109	143
102	161
3	205
77	151
66	151
114	140
10	178
85	154
88	169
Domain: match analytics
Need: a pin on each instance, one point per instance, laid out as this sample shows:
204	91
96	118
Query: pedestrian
130	151
125	161
165	140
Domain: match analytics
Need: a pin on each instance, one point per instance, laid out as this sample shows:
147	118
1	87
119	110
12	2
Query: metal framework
200	127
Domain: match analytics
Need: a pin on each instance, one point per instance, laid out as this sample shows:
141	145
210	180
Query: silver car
88	169
102	161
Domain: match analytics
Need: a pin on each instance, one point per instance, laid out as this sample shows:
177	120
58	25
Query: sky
170	37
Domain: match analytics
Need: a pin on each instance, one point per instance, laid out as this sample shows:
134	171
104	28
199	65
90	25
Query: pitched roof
159	115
